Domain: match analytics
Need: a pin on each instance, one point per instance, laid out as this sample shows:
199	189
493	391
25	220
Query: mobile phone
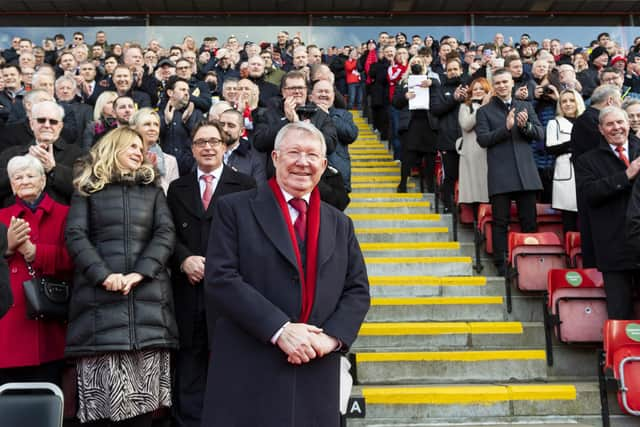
487	52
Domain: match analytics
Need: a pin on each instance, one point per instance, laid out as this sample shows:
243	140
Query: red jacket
27	342
351	71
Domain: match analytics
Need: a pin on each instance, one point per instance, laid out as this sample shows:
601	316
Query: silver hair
47	104
604	92
610	110
65	78
20	163
31	95
628	102
301	127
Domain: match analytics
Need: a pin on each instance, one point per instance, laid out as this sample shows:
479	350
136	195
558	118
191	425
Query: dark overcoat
192	225
252	278
509	155
601	177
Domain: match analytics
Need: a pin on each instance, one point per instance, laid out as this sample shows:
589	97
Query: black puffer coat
125	227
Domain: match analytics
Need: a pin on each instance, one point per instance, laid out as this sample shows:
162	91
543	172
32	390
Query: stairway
437	346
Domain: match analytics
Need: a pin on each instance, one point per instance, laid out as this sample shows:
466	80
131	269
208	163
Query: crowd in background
93	135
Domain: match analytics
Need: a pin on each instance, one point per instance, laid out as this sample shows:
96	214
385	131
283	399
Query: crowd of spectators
80	122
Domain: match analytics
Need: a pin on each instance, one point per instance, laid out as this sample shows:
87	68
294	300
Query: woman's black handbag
47	299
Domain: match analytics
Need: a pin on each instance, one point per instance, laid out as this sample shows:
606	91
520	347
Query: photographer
293	107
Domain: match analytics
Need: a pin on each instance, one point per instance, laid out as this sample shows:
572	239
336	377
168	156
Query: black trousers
380	117
50	372
619	286
410	159
450	164
501	206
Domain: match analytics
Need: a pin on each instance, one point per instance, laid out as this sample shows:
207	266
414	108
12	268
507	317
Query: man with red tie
287	277
605	176
191	199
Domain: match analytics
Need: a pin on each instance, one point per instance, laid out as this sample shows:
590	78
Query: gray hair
47	104
32	94
604	92
611	109
20	163
301	127
40	74
65	78
629	102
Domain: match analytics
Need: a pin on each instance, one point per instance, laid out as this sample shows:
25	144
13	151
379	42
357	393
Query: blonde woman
147	123
122	326
104	120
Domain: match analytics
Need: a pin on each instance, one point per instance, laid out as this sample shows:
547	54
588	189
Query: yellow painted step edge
401	246
394	217
417	260
467	394
383	169
390	205
380	185
407	301
439	328
457	356
376	178
386	230
372	195
357	164
427	281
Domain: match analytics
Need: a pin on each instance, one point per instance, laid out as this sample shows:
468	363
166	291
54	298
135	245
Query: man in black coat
506	127
56	155
193	221
6	297
605	176
585	136
257	76
240	154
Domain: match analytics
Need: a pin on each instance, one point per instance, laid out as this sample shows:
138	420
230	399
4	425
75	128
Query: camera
306	111
547	90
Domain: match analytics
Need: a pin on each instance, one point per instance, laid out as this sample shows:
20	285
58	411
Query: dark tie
620	150
300	226
508	105
208	190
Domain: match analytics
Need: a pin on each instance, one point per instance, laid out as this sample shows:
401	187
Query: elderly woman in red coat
32	350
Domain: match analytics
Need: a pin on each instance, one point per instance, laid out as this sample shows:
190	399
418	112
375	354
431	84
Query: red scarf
308	280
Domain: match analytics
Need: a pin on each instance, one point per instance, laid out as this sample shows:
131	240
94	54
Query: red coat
351	71
27	342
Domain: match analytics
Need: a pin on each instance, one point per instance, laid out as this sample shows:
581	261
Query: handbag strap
30	269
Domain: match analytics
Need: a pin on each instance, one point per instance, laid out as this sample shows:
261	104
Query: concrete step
474	403
373	164
356	150
358	207
435	367
386	196
553	421
416	266
425	286
405	234
368	220
436	308
449	336
376	171
372	179
410	249
381	186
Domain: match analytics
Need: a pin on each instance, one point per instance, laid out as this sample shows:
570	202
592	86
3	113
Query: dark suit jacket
601	178
192	233
252	278
6	298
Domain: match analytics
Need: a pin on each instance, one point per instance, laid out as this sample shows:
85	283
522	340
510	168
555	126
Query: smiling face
208	148
131	157
27	184
122	79
633	111
149	130
46	124
323	94
299	162
615	128
123	109
502	85
568	105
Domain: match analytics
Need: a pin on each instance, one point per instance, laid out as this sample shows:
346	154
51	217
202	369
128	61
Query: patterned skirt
119	386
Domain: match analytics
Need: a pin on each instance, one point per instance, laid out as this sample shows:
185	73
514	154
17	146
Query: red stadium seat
530	257
622	356
485	224
576	307
466	213
572	245
549	219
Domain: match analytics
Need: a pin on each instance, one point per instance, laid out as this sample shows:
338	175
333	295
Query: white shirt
217	173
626	150
293	212
230	149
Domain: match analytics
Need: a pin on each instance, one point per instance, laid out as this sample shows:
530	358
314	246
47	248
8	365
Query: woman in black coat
120	235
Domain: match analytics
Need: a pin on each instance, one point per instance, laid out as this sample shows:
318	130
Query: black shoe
401	188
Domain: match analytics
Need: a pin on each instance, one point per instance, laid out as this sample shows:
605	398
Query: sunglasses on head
43	120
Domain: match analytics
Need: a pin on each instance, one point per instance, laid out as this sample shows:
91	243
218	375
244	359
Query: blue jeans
355	96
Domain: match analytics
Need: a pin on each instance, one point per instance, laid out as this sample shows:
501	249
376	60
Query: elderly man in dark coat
606	175
285	272
506	127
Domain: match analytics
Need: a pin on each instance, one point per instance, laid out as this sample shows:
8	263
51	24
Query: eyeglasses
299	155
187	67
43	120
296	88
201	143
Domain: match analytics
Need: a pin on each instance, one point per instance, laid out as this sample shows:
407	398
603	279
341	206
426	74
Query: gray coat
509	156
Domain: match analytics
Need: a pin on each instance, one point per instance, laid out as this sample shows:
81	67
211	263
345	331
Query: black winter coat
443	105
379	88
125	227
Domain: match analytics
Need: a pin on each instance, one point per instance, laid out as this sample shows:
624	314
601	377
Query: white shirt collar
288	196
626	149
216	173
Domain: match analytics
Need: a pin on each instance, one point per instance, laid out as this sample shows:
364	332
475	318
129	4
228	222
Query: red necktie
620	150
300	226
208	190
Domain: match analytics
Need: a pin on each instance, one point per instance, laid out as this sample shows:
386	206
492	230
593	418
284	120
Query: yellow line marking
373	164
372	156
453	356
480	394
390	246
438	328
368	150
394	179
375	170
394	217
387	230
380	185
417	260
407	301
389	205
373	195
427	280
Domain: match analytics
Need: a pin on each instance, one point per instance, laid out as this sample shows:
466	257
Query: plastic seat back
31	404
622	355
466	213
578	302
485	223
532	255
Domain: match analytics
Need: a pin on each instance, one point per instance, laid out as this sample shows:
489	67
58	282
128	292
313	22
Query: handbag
46	299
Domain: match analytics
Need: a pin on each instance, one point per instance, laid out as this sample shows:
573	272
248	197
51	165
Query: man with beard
177	120
123	108
240	155
257	76
445	104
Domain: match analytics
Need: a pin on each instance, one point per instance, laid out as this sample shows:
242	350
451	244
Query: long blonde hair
101	167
